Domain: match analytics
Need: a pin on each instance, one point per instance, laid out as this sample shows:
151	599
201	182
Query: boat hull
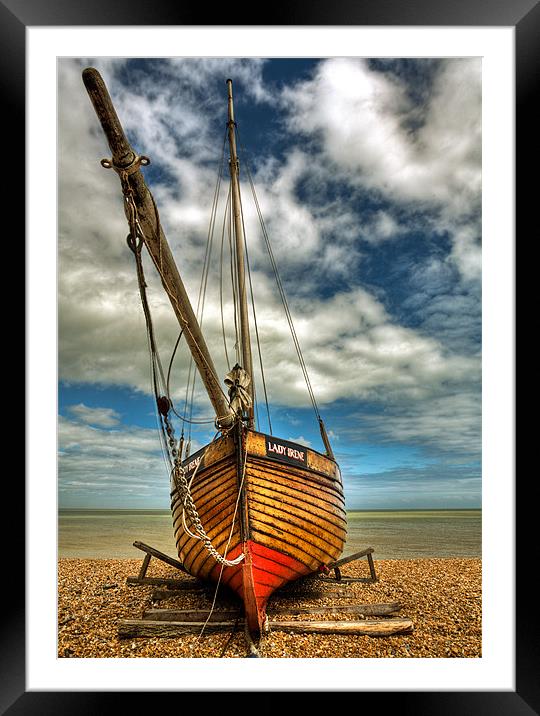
278	503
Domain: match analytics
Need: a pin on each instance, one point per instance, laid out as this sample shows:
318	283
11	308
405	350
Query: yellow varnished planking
280	521
329	518
321	463
205	563
301	474
310	555
217	450
308	522
281	482
214	491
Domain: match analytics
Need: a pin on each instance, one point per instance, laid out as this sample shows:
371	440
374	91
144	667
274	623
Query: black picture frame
15	17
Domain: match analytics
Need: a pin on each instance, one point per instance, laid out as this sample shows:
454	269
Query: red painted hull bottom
261	572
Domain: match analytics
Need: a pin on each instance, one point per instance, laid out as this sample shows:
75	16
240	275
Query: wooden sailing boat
251	511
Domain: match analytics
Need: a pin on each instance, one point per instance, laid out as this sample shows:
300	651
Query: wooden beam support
351	558
346	580
367	627
159	594
159	555
371	567
190	615
144	566
331	583
133	628
381	609
171	583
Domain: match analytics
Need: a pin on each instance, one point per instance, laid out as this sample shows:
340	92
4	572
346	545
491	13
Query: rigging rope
221	281
168	393
282	293
192	374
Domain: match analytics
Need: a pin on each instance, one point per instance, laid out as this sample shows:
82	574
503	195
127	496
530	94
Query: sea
393	534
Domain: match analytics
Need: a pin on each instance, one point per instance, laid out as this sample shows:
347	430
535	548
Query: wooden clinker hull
279	503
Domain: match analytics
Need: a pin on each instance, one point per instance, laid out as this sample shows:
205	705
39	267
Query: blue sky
368	173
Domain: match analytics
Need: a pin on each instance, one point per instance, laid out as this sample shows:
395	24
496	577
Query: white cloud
445	420
102	417
360	119
301	440
106	464
383	226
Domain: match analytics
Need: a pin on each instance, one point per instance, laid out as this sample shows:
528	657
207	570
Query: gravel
441	596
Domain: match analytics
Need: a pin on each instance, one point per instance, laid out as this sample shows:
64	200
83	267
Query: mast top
230	102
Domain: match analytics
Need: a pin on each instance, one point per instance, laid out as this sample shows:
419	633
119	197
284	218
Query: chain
182	488
164	405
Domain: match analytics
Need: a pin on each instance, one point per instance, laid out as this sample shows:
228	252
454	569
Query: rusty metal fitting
136	164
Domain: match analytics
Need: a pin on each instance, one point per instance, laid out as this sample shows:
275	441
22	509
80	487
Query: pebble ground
441	596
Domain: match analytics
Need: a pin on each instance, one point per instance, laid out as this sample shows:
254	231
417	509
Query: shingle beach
442	597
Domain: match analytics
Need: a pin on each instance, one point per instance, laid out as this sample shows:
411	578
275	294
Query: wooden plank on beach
158	555
191	615
132	628
300	594
314	586
194	615
378	610
367	627
171	583
345	580
159	594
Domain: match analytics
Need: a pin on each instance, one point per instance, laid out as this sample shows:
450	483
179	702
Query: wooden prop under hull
279	503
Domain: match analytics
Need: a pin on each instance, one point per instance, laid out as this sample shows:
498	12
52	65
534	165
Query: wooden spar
172	584
367	627
351	558
153	552
239	244
124	157
193	615
133	628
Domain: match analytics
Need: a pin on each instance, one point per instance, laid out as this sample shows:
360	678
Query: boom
126	162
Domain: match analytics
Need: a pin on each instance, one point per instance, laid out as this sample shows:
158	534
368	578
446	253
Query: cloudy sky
368	175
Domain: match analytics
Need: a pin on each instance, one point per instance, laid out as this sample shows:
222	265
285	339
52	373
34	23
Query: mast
126	162
239	244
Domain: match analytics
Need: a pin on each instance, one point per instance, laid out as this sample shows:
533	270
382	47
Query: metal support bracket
136	164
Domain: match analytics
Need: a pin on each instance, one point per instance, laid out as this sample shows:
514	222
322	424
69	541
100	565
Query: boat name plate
285	451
